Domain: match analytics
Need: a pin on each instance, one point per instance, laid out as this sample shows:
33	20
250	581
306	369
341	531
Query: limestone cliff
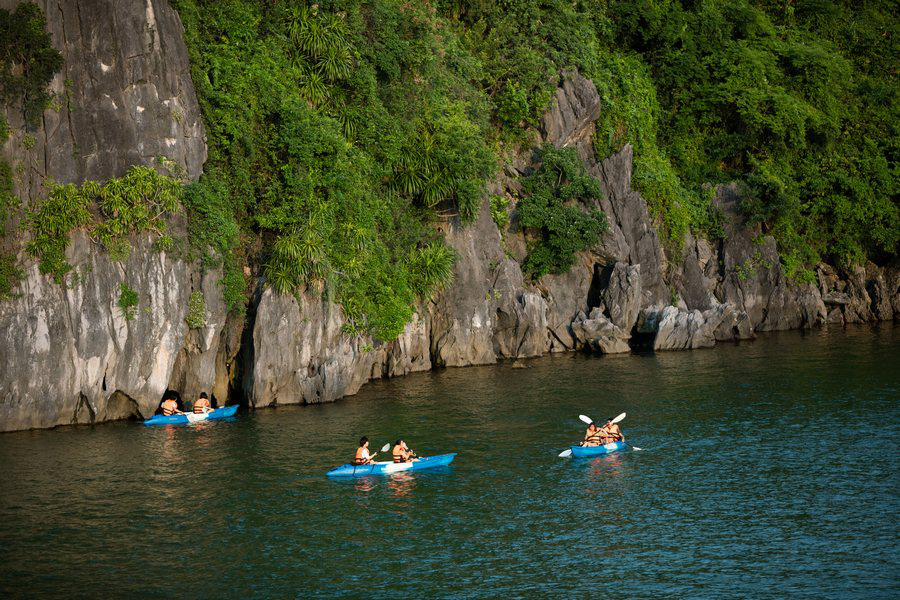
124	97
68	354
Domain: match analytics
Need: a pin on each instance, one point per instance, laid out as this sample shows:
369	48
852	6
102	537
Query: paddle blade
585	419
619	418
565	453
636	448
386	447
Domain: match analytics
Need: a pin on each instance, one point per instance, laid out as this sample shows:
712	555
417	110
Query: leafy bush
500	212
28	61
799	101
50	223
214	236
134	203
552	207
337	132
196	317
128	301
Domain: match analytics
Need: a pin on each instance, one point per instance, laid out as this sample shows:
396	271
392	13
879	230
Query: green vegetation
341	132
133	203
500	213
128	301
27	60
196	317
10	274
798	100
337	134
552	208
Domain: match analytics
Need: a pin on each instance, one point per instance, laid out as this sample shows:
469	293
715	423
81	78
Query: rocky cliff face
124	97
69	355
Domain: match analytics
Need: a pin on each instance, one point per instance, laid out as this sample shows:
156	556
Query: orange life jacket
593	438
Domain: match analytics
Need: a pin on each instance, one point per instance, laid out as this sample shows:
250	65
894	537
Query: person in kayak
362	453
611	432
201	404
592	436
402	453
170	407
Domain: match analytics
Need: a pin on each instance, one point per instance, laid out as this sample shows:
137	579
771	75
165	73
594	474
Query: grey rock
836	316
681	330
751	277
570	119
836	298
735	325
892	288
521	326
198	366
69	355
566	295
859	309
302	355
622	295
632	238
600	334
879	293
699	275
462	317
827	277
124	96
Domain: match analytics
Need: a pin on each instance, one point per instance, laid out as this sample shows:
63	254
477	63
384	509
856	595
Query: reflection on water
402	484
743	483
363	485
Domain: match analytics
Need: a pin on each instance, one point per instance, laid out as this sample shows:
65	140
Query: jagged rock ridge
68	355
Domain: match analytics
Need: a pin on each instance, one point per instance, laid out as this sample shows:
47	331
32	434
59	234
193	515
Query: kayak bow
386	468
218	413
585	451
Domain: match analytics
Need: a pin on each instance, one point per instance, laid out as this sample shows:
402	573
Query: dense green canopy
341	131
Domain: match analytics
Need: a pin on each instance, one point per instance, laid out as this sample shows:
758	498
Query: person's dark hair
609	419
398	442
203	395
362	441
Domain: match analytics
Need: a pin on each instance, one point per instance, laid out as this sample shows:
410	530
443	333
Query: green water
769	468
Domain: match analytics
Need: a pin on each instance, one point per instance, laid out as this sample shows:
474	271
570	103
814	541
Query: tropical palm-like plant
335	62
431	269
322	56
313	88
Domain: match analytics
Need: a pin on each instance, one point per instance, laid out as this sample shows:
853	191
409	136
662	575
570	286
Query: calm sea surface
768	468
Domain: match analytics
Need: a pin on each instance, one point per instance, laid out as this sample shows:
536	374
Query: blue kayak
582	451
219	413
386	468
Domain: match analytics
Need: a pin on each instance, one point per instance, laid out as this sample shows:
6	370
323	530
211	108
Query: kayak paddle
384	448
588	420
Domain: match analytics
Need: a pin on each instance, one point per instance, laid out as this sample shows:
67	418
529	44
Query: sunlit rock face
68	354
